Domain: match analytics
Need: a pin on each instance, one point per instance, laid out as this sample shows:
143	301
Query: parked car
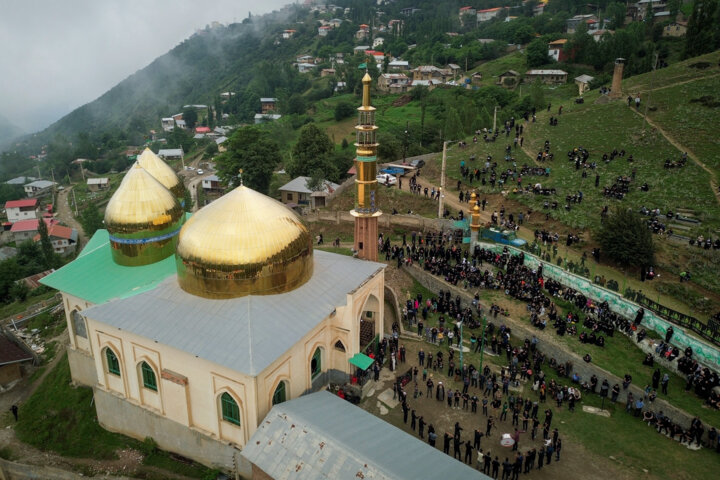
200	172
386	179
505	237
417	163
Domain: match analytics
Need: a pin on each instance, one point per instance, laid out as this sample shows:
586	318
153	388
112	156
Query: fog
59	55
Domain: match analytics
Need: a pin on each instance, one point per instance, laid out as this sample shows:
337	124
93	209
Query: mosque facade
190	329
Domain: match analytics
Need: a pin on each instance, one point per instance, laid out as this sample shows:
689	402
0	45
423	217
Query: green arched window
279	395
148	376
316	364
230	409
113	364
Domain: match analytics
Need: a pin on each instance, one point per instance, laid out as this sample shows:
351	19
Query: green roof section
362	361
96	278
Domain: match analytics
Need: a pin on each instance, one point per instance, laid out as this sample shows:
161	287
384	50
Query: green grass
490	70
633	444
61	418
389	199
19	307
164	461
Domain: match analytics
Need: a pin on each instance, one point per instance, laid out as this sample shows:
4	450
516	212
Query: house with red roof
489	14
27	229
63	238
203	130
25	209
13	358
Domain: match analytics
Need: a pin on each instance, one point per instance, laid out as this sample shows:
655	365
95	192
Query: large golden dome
162	172
143	219
244	243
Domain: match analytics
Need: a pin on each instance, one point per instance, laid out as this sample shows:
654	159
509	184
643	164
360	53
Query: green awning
361	361
362	66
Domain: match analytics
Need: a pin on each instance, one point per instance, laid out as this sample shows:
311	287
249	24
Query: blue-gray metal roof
245	334
321	436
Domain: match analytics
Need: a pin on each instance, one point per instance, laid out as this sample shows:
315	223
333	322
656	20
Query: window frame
280	389
113	362
149	378
317	357
229	409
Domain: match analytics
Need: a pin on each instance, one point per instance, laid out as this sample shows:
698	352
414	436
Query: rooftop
299	184
321	436
41	184
546	72
110	280
11	353
24	203
60	231
29	225
97	181
215	330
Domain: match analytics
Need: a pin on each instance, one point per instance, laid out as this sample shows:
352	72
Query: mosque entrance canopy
362	361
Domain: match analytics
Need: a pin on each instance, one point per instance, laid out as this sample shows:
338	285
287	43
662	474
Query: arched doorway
369	325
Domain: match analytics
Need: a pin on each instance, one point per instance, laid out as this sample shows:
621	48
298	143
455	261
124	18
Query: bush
625	238
343	110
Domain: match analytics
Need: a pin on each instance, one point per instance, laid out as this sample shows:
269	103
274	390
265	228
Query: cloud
57	56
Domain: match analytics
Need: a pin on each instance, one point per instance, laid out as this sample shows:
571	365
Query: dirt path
65	214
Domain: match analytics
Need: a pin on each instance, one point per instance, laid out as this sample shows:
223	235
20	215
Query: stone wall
82	367
119	415
551	349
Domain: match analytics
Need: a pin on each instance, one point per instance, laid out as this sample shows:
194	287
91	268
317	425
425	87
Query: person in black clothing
507	466
456	448
14	410
478	436
421	426
495	468
406	409
446	443
486	466
413	419
541	457
489	426
468	452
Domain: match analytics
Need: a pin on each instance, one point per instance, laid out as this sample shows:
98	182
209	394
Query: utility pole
442	180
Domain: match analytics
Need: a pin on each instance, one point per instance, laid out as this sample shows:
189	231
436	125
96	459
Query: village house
323	30
20	180
212	184
538	9
399	66
489	14
13	357
97	184
63	238
168	124
286	34
546	76
363	33
429	84
326	72
508	79
25	209
361	48
377	41
38	188
555	50
171	153
393	82
431	72
598	34
675	29
296	193
268	104
590	20
583	83
27	229
466	12
306	67
476	78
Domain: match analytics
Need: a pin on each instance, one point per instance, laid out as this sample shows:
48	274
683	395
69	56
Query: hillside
8	131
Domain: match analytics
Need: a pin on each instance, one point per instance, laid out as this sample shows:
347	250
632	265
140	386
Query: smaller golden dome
162	172
244	243
476	208
143	220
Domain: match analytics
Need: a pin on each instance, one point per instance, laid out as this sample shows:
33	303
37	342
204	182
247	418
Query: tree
625	238
537	96
703	33
311	152
187	200
537	53
48	252
343	110
91	220
190	117
453	126
253	150
616	12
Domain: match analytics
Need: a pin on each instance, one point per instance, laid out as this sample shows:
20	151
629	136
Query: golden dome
162	172
241	244
143	219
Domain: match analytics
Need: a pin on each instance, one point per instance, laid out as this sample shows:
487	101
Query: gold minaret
366	212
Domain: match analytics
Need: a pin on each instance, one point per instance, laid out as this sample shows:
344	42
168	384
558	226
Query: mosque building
190	328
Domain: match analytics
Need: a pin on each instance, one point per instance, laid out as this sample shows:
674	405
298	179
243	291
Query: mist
57	56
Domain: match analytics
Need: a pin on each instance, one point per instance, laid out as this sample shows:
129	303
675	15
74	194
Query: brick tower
366	212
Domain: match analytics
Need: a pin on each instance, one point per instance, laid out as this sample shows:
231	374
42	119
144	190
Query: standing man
14	410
